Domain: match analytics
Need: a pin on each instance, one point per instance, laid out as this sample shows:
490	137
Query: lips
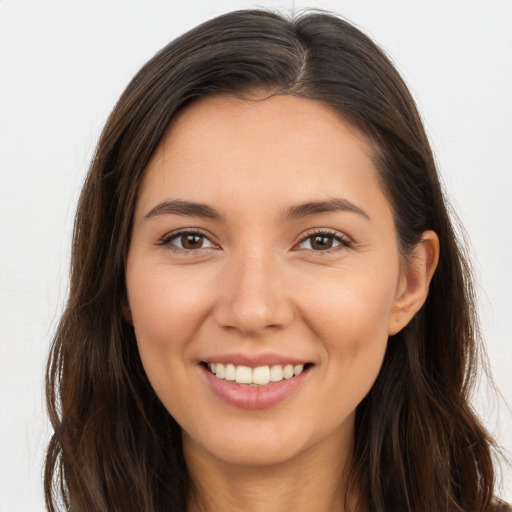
254	385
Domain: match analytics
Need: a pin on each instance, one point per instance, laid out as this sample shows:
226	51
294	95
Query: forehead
222	148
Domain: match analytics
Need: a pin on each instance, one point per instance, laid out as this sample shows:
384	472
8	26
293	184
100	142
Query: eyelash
344	242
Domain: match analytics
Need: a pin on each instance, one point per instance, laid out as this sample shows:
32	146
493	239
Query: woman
268	307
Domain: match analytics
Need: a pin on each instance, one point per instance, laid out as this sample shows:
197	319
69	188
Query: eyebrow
318	207
201	210
180	207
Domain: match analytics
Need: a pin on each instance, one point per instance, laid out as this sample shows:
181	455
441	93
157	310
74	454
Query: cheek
350	318
353	359
353	308
164	318
166	306
167	309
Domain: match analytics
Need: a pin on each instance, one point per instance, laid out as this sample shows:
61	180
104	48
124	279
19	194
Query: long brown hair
418	446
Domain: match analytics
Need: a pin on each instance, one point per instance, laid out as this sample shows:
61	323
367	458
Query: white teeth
229	372
220	371
261	376
243	375
276	373
288	371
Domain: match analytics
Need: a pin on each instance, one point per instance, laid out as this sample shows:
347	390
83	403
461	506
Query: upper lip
254	360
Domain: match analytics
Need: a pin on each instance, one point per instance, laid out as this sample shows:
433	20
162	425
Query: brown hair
418	446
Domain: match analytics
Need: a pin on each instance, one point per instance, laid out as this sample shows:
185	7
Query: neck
314	480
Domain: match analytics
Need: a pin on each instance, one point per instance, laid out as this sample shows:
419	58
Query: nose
253	298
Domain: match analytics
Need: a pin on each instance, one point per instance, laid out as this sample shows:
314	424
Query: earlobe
415	282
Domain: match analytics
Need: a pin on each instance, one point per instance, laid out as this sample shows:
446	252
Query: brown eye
191	241
324	241
187	241
321	242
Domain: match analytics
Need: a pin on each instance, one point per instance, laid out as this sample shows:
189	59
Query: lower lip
253	397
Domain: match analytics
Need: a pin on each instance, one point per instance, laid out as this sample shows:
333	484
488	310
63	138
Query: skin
257	284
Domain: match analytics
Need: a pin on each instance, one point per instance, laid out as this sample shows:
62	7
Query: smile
259	376
254	387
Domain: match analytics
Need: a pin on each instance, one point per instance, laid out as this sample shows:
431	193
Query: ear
415	281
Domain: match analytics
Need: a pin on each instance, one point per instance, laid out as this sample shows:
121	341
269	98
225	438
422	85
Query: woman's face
263	244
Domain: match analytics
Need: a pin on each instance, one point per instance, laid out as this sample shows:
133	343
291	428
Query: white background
62	67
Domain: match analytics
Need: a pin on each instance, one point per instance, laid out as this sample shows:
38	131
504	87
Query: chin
264	447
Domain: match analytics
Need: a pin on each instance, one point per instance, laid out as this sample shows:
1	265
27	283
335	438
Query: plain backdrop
62	67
